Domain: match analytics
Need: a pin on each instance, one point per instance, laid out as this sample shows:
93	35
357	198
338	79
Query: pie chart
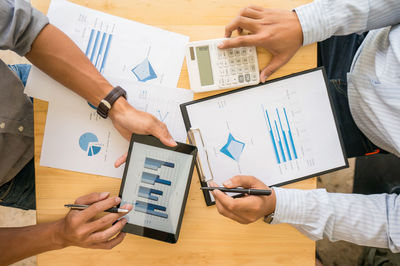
90	144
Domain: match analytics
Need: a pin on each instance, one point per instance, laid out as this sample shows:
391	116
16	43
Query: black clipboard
199	164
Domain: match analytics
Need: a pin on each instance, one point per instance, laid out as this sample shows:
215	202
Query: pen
82	207
249	191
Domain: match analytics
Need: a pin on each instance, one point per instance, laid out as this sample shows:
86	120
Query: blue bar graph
94	46
273	138
103	63
290	135
89	42
280	142
151	179
149	208
146	193
97	51
155	164
284	136
281	136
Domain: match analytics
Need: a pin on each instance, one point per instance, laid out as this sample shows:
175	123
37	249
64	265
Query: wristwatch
268	218
106	104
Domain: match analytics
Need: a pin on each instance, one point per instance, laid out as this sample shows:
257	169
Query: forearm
57	55
322	19
370	220
22	242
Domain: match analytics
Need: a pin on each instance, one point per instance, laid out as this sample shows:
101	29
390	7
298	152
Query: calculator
211	68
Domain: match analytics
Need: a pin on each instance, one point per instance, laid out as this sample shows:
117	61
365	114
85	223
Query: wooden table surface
206	237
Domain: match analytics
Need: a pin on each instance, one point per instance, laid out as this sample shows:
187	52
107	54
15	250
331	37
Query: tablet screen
155	184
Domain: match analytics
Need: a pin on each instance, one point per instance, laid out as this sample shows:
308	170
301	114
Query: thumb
161	132
275	63
244	181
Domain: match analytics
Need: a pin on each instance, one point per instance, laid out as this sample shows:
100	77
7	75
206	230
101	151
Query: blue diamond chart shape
233	148
144	71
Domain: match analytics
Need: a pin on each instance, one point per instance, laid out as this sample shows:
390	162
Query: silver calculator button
221	82
247	77
225	63
254	77
246	68
239	69
234	79
245	60
233	70
227	81
237	51
244	51
252	68
241	78
238	61
230	52
251	59
231	61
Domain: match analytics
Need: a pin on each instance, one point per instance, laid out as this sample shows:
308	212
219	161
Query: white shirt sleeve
370	220
322	19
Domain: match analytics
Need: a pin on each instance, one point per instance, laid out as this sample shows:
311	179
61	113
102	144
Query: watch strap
106	104
269	218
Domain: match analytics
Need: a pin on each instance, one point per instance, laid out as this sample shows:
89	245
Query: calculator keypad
237	67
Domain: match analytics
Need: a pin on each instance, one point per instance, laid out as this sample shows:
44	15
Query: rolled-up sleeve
20	23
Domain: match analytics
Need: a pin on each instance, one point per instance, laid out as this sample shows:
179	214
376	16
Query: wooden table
206	237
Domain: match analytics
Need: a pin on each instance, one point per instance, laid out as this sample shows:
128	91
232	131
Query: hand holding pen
245	209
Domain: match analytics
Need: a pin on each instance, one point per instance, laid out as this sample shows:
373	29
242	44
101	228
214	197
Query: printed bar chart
281	136
155	164
97	48
151	179
146	193
149	208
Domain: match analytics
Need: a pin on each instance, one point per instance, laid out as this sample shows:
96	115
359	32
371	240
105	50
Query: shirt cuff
291	206
314	22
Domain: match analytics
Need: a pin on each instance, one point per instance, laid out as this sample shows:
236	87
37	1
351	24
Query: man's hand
278	31
246	209
81	228
128	120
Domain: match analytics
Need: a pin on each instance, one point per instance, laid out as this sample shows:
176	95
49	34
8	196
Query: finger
222	209
240	22
272	66
105	235
250	13
161	132
244	181
120	160
91	198
240	41
106	220
110	243
99	207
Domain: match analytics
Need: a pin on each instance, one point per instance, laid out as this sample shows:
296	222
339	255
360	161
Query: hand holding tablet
156	182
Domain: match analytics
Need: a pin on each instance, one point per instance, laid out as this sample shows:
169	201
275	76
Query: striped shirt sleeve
370	220
322	19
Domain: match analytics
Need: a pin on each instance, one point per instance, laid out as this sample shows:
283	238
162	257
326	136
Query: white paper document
117	47
277	132
77	139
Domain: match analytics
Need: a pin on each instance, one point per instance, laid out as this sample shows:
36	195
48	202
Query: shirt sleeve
369	220
20	23
322	19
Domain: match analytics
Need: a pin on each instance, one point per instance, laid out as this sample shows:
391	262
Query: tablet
156	182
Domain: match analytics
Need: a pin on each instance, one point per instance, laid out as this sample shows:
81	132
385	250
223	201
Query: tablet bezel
181	148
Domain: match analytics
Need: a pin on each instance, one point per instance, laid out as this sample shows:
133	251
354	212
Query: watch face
268	218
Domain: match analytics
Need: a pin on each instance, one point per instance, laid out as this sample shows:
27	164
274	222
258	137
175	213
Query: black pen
82	207
248	191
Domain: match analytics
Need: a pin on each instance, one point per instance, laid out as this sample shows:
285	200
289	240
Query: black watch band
106	104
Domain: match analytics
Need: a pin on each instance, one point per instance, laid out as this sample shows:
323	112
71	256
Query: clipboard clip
202	161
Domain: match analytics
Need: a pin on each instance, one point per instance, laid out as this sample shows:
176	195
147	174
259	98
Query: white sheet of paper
117	47
77	139
277	132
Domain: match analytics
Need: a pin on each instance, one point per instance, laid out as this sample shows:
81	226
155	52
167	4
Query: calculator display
204	63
